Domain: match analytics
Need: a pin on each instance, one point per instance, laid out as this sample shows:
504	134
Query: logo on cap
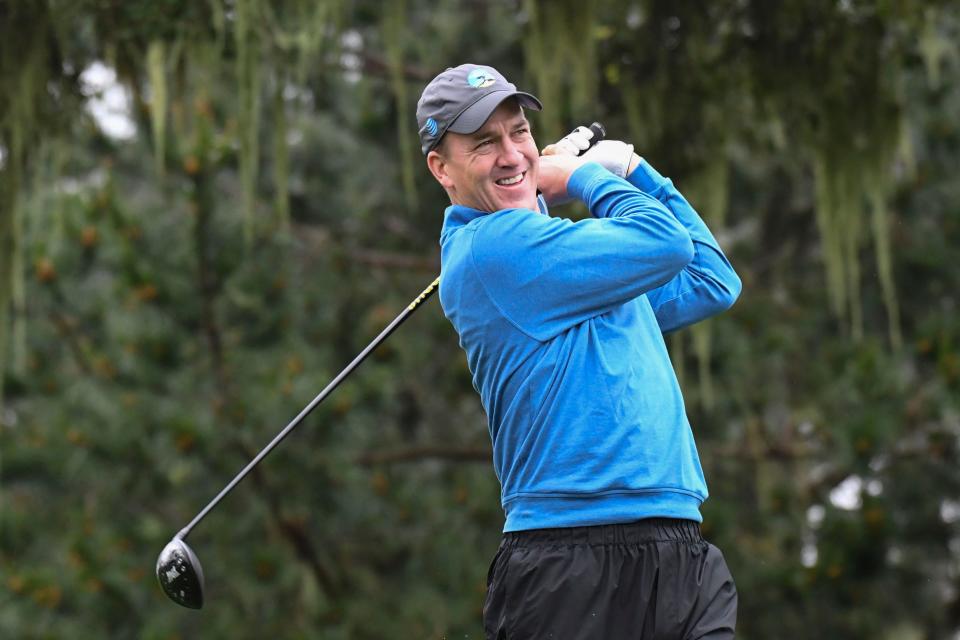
480	78
432	126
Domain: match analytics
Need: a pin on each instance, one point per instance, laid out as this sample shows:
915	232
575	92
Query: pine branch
66	327
294	531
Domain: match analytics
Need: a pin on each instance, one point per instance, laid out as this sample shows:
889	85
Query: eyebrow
487	133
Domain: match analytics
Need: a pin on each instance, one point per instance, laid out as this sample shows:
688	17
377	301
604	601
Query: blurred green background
207	207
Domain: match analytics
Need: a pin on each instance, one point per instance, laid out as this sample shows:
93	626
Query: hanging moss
708	192
14	272
852	176
281	157
26	109
827	214
880	219
323	19
644	113
581	53
852	240
839	209
854	153
560	51
935	48
302	31
290	36
248	84
18	294
877	185
218	19
57	162
701	346
5	265
11	271
393	28
8	188
156	73
537	57
296	35
179	92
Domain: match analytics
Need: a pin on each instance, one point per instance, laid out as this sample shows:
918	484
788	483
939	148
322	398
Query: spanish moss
708	192
248	80
157	74
394	27
281	156
560	51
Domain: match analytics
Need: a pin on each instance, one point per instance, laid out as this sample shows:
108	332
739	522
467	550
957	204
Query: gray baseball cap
461	99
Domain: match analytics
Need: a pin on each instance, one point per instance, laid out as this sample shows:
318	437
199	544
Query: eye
484	143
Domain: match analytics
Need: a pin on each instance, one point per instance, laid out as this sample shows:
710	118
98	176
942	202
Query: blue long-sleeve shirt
562	323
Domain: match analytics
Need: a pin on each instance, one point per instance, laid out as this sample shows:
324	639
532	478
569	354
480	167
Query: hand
554	173
613	155
574	143
555	168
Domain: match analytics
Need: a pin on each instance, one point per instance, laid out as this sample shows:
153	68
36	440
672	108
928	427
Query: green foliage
164	336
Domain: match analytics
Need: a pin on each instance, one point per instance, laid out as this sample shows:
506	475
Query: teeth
514	180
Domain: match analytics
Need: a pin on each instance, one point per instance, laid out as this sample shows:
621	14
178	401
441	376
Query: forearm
608	196
649	180
708	284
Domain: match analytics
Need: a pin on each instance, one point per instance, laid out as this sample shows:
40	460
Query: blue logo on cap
480	78
432	126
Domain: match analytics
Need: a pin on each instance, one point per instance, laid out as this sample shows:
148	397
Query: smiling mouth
512	180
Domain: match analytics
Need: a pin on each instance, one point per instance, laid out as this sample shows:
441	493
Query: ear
438	167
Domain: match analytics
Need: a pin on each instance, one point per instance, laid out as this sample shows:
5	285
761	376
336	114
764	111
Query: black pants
651	579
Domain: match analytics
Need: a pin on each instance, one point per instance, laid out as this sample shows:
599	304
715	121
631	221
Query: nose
510	154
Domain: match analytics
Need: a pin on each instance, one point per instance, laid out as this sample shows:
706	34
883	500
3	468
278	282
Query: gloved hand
574	142
613	155
554	174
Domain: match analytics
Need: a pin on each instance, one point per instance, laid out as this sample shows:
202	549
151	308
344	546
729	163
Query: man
563	324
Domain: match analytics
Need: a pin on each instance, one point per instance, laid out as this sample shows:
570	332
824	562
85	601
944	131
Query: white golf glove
613	155
576	141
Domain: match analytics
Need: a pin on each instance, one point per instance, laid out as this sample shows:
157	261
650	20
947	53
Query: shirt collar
457	215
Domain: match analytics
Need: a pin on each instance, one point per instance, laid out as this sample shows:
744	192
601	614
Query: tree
169	300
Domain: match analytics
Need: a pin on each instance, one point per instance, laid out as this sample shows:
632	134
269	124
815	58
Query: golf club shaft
599	133
406	313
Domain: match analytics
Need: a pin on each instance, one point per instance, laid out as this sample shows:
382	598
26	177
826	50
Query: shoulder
515	227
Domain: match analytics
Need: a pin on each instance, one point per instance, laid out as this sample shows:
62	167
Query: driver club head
180	574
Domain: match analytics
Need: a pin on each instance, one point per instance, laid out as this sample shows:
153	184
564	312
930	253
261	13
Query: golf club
178	568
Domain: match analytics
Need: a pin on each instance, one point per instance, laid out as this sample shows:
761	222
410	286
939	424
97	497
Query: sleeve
708	284
547	274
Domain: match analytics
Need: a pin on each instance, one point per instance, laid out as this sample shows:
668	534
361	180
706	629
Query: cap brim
476	114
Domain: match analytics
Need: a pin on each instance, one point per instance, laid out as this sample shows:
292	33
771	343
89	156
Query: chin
524	201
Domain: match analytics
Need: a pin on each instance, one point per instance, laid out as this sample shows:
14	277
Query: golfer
562	323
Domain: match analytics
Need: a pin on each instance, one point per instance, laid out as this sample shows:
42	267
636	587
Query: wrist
646	178
633	164
578	184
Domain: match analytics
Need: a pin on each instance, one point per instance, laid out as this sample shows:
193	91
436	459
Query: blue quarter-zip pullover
562	323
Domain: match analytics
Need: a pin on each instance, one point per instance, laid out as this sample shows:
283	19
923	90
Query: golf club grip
383	335
599	133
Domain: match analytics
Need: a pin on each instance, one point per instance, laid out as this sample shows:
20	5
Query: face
494	168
